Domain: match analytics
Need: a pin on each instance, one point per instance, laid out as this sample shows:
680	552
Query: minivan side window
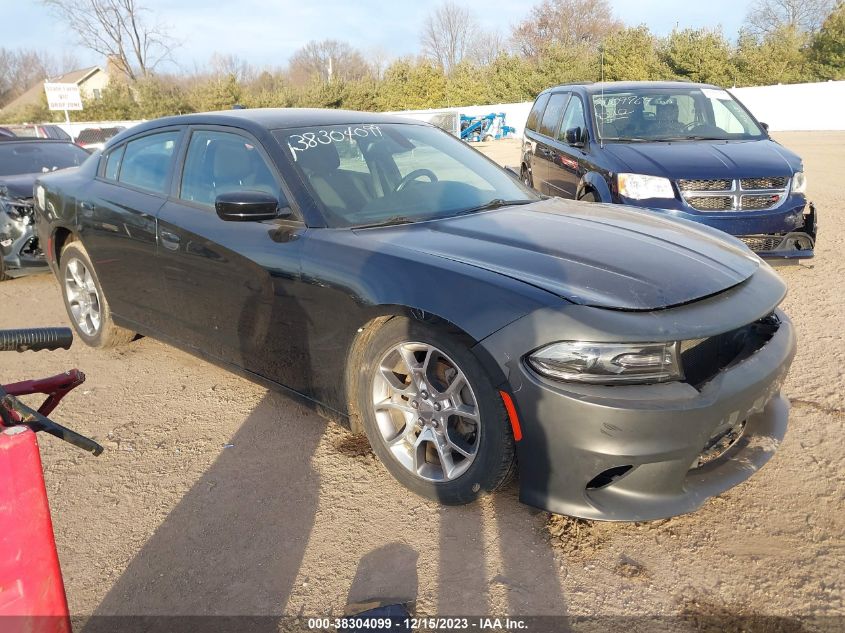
573	117
534	117
551	117
146	161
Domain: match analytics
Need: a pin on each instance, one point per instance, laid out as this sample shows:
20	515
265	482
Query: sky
267	32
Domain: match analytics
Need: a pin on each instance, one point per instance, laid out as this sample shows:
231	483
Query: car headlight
640	187
799	182
608	363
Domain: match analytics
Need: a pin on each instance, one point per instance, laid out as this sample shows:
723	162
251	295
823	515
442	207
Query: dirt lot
217	497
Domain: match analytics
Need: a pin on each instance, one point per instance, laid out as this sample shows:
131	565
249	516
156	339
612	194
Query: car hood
706	159
609	256
19	185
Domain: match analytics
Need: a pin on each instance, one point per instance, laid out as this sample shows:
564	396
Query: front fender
596	182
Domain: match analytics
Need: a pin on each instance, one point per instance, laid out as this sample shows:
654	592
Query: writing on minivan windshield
668	115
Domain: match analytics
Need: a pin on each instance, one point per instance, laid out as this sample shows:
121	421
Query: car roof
598	87
5	140
267	119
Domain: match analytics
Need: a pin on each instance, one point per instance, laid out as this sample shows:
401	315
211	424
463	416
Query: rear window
97	135
34	157
146	161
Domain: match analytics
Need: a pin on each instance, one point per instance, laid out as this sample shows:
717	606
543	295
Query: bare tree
447	34
486	46
327	61
20	69
568	23
228	64
119	30
768	16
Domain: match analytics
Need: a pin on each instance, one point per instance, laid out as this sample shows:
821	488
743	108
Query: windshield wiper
692	137
391	221
495	203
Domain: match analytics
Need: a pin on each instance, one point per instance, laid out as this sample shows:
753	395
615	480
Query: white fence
815	106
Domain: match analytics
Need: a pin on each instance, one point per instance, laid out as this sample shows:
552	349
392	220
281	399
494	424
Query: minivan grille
745	194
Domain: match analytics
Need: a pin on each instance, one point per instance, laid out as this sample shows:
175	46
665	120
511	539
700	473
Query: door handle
87	208
170	240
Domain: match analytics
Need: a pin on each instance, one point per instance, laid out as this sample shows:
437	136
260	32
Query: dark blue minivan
687	150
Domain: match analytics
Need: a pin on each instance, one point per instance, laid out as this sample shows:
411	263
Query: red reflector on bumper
512	416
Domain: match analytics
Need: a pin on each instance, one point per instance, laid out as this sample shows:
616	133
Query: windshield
38	157
650	114
365	175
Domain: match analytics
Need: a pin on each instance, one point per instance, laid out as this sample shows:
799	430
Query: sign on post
63	97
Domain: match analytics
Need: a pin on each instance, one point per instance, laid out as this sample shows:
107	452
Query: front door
566	164
228	282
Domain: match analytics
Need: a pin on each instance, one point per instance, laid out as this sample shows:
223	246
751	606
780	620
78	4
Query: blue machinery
484	128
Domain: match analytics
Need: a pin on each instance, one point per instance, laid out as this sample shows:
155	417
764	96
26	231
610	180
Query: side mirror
576	136
765	126
249	206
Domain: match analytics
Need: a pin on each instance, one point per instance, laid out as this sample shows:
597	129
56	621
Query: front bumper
19	248
789	231
572	434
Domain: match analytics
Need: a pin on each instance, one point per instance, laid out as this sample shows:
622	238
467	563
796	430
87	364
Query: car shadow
235	542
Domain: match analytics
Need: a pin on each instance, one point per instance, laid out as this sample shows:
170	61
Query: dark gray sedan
395	278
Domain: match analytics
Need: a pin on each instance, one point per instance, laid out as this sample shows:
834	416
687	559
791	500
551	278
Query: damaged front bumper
19	247
651	451
798	244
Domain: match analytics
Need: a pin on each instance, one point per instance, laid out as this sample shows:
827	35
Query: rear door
117	218
545	151
228	283
567	161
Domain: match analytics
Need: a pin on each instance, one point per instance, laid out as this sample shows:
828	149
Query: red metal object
31	587
54	387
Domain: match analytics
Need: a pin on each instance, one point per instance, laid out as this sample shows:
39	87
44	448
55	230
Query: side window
573	117
551	116
534	117
113	163
146	162
221	162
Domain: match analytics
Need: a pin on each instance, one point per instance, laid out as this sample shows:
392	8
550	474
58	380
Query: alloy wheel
426	411
82	297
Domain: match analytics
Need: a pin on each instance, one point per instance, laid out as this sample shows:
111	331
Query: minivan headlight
799	182
640	187
608	363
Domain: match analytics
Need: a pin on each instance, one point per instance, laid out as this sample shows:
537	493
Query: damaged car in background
21	162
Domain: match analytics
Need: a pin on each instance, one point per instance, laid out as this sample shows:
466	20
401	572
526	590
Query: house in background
91	81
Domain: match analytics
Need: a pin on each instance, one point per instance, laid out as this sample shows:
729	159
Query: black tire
107	334
487	138
493	464
589	196
525	175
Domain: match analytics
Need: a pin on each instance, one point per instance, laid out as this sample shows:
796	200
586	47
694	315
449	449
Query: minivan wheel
431	413
85	302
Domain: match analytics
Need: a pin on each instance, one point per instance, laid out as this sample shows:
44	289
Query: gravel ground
215	496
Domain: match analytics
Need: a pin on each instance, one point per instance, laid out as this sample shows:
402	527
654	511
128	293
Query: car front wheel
431	413
85	302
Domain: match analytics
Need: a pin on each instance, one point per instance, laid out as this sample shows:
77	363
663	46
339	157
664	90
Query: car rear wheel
85	302
431	413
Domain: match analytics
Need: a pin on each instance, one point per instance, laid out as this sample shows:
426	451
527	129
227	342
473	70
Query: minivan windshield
378	174
669	114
